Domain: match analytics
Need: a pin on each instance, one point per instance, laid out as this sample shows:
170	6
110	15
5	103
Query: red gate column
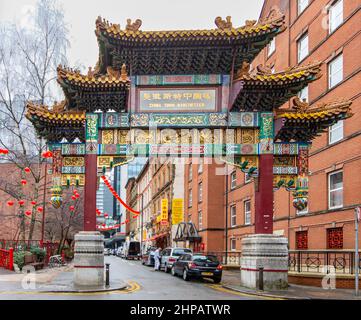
90	192
264	196
91	136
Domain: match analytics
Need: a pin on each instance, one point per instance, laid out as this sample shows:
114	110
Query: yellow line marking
132	287
225	290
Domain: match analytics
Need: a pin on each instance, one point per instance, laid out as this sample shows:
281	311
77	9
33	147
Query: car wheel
217	280
166	269
172	271
185	275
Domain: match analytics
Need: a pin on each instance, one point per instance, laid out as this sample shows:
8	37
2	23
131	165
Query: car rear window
205	258
179	252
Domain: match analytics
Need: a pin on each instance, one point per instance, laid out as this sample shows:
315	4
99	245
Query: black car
198	266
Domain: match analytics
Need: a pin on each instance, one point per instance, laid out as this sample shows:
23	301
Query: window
247	178
335	238
233	244
200	192
335	15
247	212
302	45
302	5
335	132
233	179
302	240
190	172
190	198
200	220
233	216
303	94
335	190
272	46
335	71
200	167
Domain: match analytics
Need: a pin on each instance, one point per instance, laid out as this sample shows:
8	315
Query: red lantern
75	191
23	182
33	203
71	208
73	197
10	203
103	225
106	215
28	212
77	195
21	202
27	169
4	151
40	209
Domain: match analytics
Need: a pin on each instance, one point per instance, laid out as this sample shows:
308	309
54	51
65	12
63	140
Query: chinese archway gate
186	93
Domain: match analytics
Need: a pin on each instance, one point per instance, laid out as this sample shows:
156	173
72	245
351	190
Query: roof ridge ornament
224	24
243	70
133	26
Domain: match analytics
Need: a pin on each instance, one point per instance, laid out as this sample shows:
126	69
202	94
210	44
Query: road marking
132	287
222	289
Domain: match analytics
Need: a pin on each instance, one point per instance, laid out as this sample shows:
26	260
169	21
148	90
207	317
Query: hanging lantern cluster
300	195
56	196
4	151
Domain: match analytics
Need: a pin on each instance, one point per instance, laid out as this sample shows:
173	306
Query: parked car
148	257
198	266
131	250
170	255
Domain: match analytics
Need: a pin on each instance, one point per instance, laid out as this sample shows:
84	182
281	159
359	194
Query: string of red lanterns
115	194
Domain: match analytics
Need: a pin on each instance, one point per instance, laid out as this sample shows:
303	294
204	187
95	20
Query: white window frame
200	220
233	214
302	5
247	178
339	71
247	213
337	126
271	47
301	47
190	198
334	24
200	192
200	167
233	179
233	244
333	190
303	94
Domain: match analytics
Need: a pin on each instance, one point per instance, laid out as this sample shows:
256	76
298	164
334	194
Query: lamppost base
89	259
267	253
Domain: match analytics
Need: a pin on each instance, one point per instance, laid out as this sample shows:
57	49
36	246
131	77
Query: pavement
231	281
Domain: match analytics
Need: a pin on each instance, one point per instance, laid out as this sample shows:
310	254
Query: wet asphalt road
144	284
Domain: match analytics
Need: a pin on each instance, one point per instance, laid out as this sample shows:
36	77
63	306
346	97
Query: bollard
107	274
260	278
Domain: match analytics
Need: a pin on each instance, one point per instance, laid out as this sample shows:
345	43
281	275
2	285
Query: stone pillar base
270	252
89	259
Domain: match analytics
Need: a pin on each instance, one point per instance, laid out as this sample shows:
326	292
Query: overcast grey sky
155	14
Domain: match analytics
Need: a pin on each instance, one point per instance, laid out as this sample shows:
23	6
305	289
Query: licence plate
207	273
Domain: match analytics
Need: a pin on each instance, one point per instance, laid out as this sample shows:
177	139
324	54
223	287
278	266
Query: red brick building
317	30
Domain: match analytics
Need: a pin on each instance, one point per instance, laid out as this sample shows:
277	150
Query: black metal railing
232	258
322	261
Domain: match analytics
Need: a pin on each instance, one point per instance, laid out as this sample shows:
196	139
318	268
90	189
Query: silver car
170	255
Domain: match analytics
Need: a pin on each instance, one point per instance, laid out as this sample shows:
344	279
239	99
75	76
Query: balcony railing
305	261
322	261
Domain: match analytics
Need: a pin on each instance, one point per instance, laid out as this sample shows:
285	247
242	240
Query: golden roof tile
113	78
302	110
224	29
263	74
